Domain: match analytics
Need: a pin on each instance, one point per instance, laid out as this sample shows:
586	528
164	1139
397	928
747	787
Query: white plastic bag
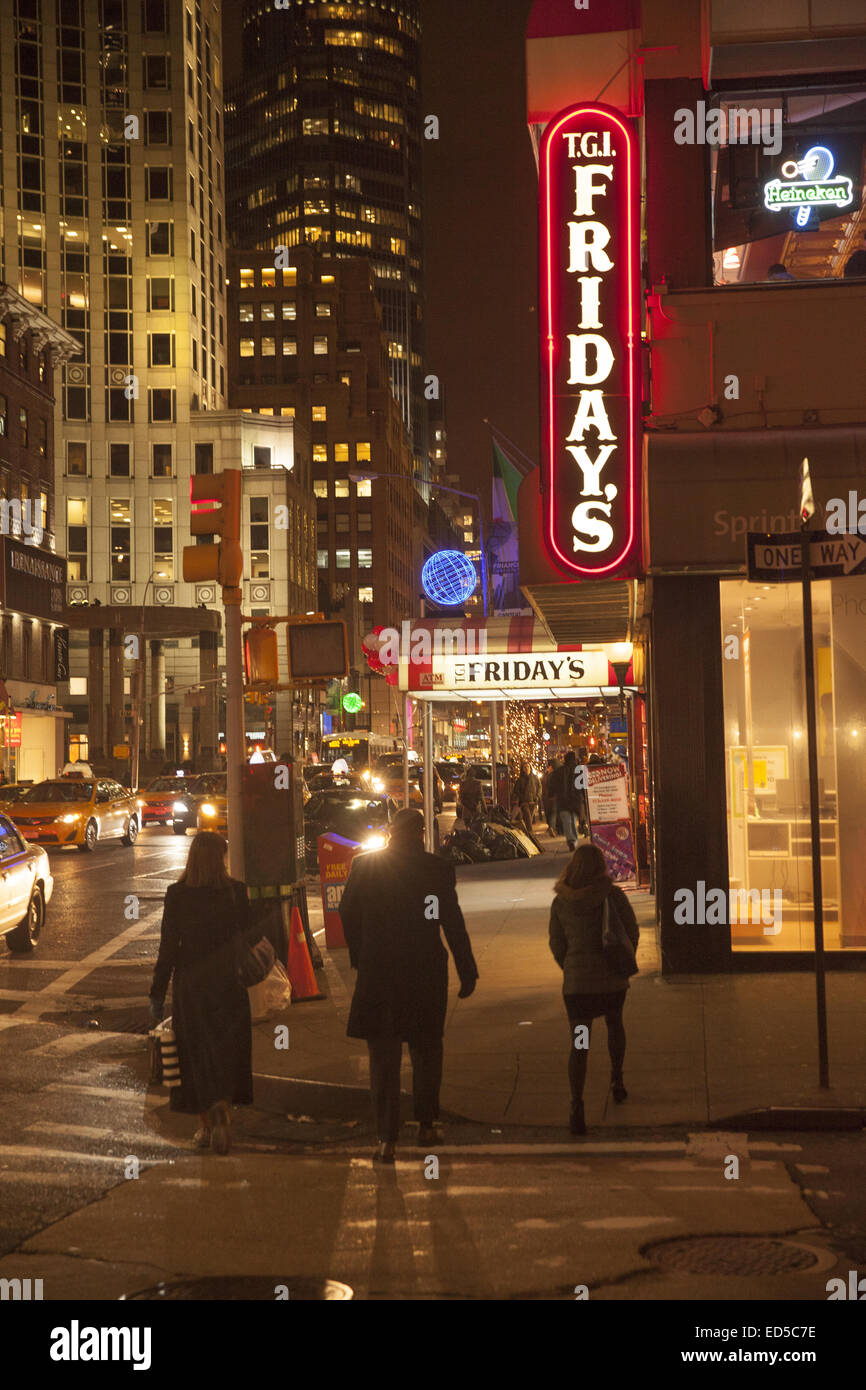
272	996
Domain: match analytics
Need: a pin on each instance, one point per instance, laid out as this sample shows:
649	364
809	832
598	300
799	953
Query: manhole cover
257	1288
731	1255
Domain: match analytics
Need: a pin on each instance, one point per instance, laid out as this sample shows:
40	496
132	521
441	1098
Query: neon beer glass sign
590	339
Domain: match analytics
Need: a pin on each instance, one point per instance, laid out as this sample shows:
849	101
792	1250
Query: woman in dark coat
589	986
205	912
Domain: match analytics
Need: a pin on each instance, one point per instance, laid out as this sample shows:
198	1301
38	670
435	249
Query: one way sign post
778	559
806	556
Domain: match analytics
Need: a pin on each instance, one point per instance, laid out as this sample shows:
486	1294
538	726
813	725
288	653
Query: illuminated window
76	537
398	246
245	313
266	313
322	559
269	278
269	347
313	126
362	453
365	521
320	487
320	346
341	487
120	529
365	594
344	558
290	347
365	559
323	311
289	311
163	537
320	413
287	410
247	278
364	487
248	347
341	453
320	453
290	275
76	460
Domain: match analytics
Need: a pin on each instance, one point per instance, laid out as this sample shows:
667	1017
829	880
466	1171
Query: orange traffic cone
301	975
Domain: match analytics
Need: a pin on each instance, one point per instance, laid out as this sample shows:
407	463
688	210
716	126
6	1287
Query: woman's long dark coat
210	1007
395	906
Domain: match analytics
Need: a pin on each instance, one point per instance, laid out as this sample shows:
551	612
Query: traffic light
261	659
317	650
223	561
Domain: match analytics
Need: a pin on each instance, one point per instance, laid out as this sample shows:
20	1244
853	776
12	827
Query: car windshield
167	784
73	790
212	783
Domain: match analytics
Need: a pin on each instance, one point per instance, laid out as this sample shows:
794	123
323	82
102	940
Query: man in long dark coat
395	905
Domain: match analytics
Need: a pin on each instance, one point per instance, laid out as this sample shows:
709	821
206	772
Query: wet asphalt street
78	1122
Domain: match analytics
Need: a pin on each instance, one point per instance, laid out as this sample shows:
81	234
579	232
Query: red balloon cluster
371	647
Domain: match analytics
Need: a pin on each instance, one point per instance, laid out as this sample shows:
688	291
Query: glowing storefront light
590	326
816	189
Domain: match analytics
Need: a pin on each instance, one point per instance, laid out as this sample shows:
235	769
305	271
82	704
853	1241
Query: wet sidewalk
701	1048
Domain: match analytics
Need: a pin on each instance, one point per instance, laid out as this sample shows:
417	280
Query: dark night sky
479	224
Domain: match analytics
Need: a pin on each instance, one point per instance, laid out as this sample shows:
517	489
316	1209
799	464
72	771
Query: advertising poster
610	820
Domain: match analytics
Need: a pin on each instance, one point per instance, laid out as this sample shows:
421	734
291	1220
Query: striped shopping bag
165	1064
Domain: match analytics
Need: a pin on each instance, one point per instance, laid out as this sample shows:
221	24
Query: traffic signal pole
235	732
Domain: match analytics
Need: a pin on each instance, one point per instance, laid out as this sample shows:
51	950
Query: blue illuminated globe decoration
448	578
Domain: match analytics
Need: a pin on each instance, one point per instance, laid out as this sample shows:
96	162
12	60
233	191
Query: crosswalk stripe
107	1093
101	1135
36	1152
77	1042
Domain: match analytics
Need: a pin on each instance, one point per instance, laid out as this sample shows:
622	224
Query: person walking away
394	906
548	796
527	790
591	989
204	915
470	798
570	801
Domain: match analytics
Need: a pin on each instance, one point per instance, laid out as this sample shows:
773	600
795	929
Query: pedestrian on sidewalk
205	913
470	798
572	802
548	796
590	987
393	907
525	795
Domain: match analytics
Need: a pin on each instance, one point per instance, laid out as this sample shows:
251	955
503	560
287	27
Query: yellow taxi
157	799
77	810
213	809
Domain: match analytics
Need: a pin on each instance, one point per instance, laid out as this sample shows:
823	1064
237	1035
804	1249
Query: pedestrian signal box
272	819
261	658
317	650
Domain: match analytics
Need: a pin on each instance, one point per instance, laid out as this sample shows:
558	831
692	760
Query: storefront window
787	185
769	841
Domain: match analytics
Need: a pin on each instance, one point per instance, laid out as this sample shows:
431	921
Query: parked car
78	811
392	779
350	812
483	772
185	807
158	797
26	885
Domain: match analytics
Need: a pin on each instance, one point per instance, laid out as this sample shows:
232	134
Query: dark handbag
254	962
615	942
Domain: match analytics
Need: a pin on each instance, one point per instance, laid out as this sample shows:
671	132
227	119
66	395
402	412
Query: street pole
139	692
494	751
429	837
814	812
235	735
406	748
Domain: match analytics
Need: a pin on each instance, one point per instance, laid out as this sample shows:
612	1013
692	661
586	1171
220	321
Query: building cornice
23	317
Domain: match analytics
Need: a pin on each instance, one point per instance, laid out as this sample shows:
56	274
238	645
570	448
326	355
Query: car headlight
374	842
366	775
378	785
140	804
179	808
208	809
69	819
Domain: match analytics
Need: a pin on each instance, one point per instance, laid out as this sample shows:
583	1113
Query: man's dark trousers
385	1058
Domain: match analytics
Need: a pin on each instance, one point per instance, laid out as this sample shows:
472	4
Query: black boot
619	1092
576	1122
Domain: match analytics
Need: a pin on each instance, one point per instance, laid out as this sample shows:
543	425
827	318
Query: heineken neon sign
813	187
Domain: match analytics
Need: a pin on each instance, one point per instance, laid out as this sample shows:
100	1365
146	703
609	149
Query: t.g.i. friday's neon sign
590	340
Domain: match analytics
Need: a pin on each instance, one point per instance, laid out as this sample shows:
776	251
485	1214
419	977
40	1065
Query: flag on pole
503	545
807	501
